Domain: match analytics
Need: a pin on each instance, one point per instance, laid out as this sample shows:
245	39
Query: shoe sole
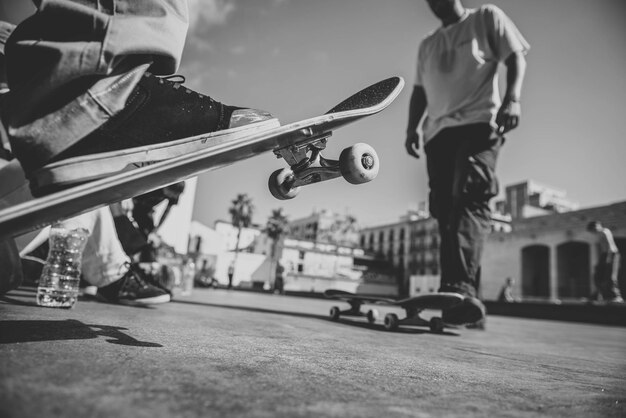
466	313
136	302
146	301
77	170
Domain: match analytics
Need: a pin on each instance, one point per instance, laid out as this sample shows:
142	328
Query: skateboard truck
357	164
392	322
355	310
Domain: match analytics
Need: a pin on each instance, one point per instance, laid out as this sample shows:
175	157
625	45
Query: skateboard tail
375	97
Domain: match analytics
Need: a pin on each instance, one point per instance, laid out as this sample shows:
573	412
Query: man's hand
508	116
412	144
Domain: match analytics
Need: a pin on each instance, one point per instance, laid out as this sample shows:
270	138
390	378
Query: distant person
231	273
456	89
506	293
279	280
605	275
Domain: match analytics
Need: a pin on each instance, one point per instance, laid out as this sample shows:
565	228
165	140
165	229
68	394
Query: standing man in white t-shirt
607	269
456	87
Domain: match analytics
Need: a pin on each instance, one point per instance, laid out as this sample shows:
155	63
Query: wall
568	241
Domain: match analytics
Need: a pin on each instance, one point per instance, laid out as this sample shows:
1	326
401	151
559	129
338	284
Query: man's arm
417	108
509	114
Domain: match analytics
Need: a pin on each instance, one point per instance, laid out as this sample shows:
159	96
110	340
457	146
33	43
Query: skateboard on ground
299	143
412	306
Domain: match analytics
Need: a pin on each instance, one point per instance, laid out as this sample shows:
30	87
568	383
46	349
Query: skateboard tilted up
303	151
412	306
299	143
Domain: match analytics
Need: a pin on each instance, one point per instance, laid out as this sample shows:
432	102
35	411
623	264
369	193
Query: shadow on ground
12	332
348	322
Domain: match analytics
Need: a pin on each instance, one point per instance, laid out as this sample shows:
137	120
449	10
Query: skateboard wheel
391	322
359	163
436	325
278	187
335	313
372	315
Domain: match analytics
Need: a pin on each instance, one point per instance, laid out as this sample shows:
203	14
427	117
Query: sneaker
158	275
133	289
162	119
470	311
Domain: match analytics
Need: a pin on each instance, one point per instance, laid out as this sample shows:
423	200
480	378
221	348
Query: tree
241	212
276	227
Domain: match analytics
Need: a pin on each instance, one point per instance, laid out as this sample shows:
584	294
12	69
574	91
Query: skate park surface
229	353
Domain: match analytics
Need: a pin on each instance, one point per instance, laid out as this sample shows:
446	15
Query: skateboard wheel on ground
335	313
391	322
359	163
436	325
372	315
277	185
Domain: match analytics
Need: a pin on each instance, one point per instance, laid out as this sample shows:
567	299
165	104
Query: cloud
238	50
206	14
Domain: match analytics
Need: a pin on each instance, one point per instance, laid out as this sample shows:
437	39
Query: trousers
73	64
461	164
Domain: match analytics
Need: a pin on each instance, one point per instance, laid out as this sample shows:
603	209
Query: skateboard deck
299	143
412	307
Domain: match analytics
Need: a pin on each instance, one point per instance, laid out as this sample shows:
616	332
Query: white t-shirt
607	243
457	67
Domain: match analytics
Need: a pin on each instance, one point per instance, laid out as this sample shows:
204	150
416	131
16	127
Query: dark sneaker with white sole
469	312
134	288
162	120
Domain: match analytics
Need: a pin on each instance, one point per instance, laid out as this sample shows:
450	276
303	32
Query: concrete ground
225	353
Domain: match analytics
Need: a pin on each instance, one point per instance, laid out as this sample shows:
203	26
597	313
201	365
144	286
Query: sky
298	58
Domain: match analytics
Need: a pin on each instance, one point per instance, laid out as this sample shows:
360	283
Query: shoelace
135	276
176	81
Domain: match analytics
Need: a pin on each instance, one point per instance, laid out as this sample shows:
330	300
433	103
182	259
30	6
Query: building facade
541	243
552	256
529	199
325	226
411	245
309	266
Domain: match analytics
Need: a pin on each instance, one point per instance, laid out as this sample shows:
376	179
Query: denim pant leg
461	169
608	283
73	64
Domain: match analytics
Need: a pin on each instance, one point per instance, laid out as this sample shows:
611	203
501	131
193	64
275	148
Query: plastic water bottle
189	273
58	284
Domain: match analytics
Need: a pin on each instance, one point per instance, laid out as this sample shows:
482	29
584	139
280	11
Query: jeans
73	64
461	170
605	276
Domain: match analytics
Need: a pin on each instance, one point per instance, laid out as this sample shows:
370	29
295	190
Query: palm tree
276	227
241	212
